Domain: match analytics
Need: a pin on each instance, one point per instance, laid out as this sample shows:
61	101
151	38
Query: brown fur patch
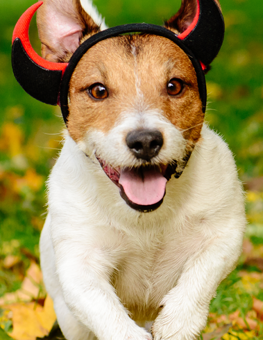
183	18
118	63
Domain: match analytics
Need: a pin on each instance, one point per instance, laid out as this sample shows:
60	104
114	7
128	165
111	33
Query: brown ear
61	26
185	16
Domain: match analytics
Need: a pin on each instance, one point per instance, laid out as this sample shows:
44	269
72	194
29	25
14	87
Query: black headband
49	82
116	31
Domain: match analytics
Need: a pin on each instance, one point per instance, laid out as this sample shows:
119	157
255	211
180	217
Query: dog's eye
98	91
175	87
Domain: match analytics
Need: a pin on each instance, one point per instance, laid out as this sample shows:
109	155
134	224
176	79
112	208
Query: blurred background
30	138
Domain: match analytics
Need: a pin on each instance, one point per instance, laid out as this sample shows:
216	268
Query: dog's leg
84	280
185	308
93	301
71	328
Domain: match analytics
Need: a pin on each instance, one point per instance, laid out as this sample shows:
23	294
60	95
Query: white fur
110	146
114	272
174	257
89	8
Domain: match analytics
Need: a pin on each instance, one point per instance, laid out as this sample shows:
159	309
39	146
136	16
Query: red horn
205	35
38	77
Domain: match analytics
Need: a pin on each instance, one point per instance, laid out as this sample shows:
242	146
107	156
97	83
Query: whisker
191	127
52	134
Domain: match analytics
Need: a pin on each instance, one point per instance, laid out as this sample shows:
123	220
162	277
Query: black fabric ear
206	39
40	83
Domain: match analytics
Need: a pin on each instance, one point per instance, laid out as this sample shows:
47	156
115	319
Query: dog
145	209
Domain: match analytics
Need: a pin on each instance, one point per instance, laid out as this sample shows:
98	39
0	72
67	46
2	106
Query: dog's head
134	102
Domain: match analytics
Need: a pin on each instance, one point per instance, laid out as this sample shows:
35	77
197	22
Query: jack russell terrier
145	209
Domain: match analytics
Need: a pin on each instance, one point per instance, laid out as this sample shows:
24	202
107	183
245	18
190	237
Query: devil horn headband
49	81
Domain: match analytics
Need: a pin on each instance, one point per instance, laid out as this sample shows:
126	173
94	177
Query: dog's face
135	106
135	109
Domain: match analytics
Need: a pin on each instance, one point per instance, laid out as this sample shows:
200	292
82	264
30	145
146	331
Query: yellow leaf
31	180
249	282
253	196
31	150
214	90
37	222
48	317
239	335
11	139
31	321
10	247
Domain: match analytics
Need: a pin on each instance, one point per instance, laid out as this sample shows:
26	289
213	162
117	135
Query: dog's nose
145	144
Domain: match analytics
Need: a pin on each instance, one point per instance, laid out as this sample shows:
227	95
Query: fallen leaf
255	261
217	334
246	323
31	180
10	247
258	307
10	261
222	319
34	273
14	297
31	320
30	289
239	335
250	281
234	315
253	196
11	139
48	317
252	314
37	223
254	184
32	281
247	247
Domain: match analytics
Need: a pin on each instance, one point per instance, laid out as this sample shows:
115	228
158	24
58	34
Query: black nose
145	144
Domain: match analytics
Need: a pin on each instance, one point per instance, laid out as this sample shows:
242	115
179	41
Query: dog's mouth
143	188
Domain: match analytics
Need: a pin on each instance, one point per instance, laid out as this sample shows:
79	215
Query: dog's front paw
171	326
170	331
139	334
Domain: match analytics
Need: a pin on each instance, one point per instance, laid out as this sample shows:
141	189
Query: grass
30	131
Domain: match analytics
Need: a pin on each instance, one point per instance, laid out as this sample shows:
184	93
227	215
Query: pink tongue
143	189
